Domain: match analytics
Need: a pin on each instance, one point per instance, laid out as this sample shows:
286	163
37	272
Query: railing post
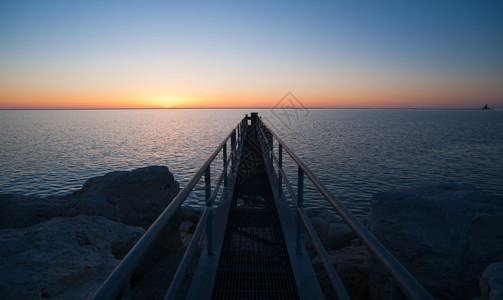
238	129
280	165
224	150
300	196
270	139
271	148
233	148
209	222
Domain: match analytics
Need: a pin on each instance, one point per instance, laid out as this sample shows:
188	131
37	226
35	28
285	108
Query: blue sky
366	53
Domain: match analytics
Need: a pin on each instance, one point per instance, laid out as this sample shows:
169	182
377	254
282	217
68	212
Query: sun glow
164	100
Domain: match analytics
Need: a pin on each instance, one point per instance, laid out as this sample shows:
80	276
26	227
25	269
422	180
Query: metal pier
253	246
251	260
254	262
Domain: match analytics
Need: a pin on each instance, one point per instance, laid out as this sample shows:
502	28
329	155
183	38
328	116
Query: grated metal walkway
254	262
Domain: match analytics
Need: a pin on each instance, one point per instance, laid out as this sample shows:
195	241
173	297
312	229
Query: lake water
354	152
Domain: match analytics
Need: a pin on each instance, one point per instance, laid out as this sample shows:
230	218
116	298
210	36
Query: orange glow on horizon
343	99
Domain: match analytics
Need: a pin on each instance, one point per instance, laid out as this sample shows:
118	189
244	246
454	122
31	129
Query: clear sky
250	53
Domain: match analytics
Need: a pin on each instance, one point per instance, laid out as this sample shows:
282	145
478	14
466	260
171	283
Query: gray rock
62	257
192	213
74	241
187	226
186	230
132	197
356	242
445	235
339	235
18	211
491	282
353	266
331	229
321	222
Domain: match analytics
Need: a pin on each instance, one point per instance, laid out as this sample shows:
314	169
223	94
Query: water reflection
354	152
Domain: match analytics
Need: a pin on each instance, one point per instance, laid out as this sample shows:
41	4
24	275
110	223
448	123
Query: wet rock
62	257
444	234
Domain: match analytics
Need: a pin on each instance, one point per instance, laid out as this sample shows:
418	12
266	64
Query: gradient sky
250	53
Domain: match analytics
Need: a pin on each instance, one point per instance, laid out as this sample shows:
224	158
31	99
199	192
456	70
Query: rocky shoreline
65	247
447	235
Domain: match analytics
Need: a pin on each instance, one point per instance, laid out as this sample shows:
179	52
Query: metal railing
118	281
400	276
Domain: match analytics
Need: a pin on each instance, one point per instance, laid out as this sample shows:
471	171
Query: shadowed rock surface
65	247
445	235
352	265
349	257
58	255
491	282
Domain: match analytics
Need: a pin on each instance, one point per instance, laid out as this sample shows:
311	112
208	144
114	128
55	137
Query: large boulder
18	211
62	257
132	197
68	245
444	234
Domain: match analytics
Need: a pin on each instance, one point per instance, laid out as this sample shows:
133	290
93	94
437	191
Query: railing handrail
115	282
302	217
407	283
204	220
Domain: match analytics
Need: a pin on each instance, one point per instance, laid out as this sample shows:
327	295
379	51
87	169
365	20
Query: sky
118	54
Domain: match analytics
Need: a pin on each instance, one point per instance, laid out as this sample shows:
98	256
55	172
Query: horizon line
249	107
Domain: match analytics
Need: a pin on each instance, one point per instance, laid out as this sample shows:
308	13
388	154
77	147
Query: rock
187	226
491	282
356	242
186	230
333	233
62	257
339	235
131	197
444	234
321	221
135	198
353	266
192	213
120	198
18	211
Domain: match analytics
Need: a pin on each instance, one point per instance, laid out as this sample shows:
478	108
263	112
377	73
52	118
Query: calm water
354	152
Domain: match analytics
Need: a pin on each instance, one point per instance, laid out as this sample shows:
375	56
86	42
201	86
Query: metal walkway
254	262
250	257
253	245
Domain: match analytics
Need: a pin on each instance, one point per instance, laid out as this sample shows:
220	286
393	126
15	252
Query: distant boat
486	107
